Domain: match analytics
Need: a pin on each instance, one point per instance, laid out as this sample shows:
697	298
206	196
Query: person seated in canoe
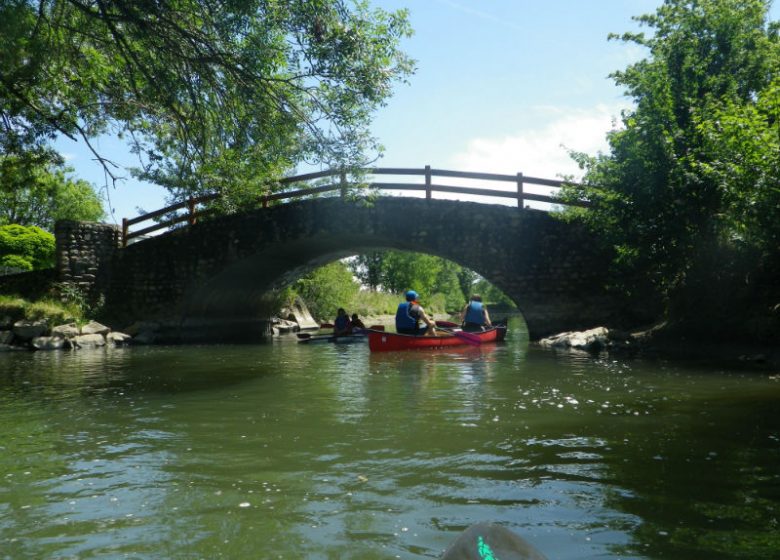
474	316
409	315
356	324
341	325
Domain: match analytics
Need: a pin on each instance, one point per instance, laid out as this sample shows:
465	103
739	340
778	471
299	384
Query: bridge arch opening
372	283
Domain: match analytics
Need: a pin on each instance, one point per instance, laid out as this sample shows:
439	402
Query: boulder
282	326
93	327
89	341
50	343
69	330
118	339
593	340
299	313
27	330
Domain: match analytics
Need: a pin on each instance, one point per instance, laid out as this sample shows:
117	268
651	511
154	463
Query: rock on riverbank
37	335
592	340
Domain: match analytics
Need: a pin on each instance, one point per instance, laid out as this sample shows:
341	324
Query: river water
287	450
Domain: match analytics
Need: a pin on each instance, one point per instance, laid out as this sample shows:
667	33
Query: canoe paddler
409	315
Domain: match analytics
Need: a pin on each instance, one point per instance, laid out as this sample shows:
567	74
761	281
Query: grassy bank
14	308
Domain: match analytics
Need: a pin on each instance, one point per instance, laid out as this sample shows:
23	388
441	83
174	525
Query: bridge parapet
473	184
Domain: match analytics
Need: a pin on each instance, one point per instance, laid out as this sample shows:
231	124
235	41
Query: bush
30	248
16	262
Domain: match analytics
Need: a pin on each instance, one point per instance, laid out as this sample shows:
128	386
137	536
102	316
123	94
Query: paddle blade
469	338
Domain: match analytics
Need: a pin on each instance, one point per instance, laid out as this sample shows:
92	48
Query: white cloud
542	152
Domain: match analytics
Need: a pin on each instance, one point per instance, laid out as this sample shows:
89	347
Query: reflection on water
288	450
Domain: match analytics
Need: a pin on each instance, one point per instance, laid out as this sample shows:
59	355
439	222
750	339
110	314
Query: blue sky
501	86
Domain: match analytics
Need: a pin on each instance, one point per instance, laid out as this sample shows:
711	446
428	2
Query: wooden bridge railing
428	186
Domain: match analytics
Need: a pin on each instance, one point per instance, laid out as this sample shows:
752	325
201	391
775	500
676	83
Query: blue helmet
411	295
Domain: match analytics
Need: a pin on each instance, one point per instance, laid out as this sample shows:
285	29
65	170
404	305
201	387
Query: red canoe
379	341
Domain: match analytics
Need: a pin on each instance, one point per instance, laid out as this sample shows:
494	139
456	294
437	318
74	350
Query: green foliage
398	271
16	261
212	96
694	161
75	299
744	140
326	289
53	311
27	247
12	306
370	302
38	192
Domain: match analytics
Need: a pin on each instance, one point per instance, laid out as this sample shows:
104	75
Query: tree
326	289
27	248
368	268
744	142
35	193
212	96
659	196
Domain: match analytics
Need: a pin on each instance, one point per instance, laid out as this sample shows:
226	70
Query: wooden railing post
519	190
191	209
428	182
343	183
125	227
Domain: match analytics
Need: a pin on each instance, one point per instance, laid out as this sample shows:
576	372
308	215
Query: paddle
447	324
469	338
304	336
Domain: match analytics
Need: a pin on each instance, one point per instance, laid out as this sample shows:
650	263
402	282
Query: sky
501	86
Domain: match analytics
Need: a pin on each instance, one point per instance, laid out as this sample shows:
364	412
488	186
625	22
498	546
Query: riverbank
659	342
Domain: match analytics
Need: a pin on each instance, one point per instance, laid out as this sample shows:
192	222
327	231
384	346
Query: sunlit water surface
286	450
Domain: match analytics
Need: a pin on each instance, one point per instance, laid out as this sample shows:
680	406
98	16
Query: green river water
287	450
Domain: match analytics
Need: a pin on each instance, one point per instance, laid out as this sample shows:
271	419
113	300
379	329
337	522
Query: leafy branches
209	94
686	168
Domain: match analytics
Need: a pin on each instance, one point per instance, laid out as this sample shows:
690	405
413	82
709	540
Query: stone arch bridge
211	281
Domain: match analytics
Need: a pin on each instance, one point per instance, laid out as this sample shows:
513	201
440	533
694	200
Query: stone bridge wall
217	275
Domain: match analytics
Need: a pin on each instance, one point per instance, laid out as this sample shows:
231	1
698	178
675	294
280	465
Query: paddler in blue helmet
409	315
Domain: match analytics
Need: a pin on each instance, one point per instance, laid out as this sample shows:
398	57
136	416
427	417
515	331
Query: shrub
16	262
31	247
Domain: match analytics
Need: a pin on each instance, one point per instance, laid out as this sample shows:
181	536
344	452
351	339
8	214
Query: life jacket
404	318
341	323
474	313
